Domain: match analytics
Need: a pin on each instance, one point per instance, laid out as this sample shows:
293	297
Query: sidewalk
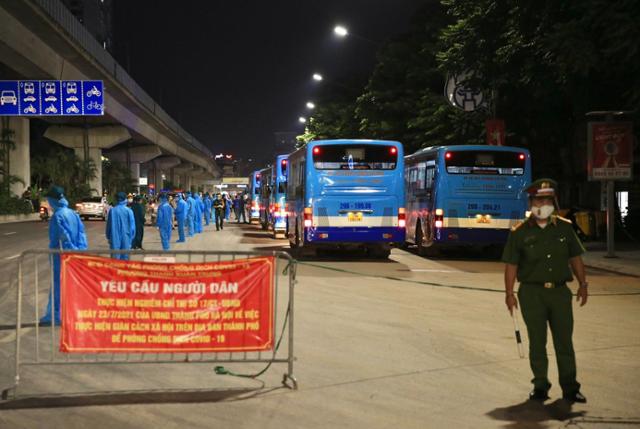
627	260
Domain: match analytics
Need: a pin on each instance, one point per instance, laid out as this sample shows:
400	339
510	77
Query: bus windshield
355	157
485	162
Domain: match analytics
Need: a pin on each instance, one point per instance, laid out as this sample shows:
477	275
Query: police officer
539	252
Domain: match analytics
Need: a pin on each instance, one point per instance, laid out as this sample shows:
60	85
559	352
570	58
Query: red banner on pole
110	305
495	129
610	149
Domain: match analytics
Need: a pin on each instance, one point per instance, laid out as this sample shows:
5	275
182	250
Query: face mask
129	200
543	212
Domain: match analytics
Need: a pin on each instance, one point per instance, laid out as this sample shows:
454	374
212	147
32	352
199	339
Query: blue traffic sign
51	98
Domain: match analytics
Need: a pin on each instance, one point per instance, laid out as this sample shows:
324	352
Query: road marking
9	233
427	270
12	257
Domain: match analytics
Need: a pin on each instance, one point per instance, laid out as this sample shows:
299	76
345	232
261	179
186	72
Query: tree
116	177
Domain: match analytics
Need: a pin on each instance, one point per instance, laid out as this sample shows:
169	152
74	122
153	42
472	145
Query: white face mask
543	212
130	200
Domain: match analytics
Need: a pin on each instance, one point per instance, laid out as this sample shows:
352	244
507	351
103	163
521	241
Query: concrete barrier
19	218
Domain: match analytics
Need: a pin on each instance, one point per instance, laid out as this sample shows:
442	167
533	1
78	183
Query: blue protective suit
199	213
207	209
121	229
191	213
165	223
181	216
66	231
227	207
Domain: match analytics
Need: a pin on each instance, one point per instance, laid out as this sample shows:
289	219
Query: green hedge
14	205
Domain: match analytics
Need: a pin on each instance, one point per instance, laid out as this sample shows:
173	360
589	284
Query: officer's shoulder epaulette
517	225
564	219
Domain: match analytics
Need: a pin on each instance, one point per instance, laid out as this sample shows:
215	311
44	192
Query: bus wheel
379	252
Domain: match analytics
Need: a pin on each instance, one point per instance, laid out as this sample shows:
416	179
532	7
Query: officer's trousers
181	230
553	307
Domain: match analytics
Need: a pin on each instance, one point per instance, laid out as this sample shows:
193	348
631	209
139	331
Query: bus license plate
354	217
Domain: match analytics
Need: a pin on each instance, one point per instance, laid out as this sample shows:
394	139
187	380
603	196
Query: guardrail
38	345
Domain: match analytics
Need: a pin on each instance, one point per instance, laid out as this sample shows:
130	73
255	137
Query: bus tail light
439	218
308	217
402	218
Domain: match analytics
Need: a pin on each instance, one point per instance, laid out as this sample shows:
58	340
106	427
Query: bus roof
432	149
352	141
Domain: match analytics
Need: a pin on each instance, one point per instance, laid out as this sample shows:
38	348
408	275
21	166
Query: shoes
181	241
574	397
538	395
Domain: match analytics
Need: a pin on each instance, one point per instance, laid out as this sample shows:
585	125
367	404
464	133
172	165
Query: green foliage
10	205
116	177
6	146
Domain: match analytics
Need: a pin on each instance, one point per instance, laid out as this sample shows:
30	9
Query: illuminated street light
317	77
302	120
310	105
340	31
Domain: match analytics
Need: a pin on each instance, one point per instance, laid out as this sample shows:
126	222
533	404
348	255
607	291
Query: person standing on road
227	206
66	232
219	208
242	214
207	208
538	253
138	215
121	227
236	207
199	212
181	216
191	212
165	221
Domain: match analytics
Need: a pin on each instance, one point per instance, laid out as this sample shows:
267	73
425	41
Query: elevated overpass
41	39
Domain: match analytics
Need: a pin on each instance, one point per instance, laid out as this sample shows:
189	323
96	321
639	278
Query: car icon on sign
29	99
94	92
8	97
72	98
51	109
30	109
51	98
73	109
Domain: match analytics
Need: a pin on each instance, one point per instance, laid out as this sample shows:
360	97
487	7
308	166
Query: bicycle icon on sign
94	105
94	92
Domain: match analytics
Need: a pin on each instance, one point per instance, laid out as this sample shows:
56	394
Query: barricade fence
127	329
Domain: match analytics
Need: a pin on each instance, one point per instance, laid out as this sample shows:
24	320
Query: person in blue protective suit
165	221
181	216
199	210
191	213
208	202
121	227
66	232
227	206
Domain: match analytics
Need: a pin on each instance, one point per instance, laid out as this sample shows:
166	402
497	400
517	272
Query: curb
19	218
611	269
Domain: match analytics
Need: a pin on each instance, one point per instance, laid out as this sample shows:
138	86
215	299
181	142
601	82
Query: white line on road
12	257
9	233
426	270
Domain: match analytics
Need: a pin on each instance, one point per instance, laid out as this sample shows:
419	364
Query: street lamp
310	105
302	120
340	31
317	77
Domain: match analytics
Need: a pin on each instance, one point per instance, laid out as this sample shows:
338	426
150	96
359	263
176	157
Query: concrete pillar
19	158
88	143
133	156
163	165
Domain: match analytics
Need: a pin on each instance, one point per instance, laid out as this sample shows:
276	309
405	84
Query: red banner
610	150
110	305
495	129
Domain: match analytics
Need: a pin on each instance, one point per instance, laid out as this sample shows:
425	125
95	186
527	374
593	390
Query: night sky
233	72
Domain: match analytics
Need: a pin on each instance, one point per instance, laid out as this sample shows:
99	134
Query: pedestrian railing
38	345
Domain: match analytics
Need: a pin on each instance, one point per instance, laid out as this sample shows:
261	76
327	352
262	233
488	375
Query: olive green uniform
542	256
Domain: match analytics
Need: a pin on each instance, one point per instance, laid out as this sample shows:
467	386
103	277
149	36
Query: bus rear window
485	162
355	157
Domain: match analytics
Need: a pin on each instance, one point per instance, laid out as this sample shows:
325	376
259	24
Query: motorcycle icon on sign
94	92
73	109
30	109
51	109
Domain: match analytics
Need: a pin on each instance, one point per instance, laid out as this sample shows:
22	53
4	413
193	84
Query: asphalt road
410	343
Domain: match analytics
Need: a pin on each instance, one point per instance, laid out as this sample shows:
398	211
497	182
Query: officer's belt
546	285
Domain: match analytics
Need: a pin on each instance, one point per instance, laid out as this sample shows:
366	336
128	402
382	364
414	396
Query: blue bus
347	194
465	195
253	206
273	215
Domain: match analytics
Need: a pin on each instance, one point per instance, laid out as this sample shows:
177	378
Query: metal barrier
36	345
